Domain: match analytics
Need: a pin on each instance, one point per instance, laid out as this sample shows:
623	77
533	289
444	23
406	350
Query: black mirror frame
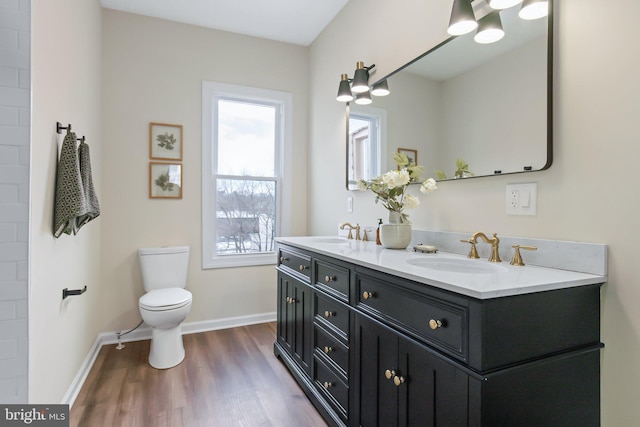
550	61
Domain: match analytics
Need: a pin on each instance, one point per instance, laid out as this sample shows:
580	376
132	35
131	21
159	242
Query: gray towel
70	202
87	184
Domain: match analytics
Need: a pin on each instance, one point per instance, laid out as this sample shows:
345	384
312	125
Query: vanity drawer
295	262
440	323
333	279
332	315
332	387
332	348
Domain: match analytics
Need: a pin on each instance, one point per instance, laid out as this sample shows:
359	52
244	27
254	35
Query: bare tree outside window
245	186
245	216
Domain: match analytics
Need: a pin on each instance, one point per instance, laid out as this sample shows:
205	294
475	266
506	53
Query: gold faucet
351	227
495	255
517	258
473	253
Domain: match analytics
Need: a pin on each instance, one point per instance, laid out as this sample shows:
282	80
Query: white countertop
476	278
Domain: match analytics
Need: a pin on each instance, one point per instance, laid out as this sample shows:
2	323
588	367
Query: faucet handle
517	258
473	253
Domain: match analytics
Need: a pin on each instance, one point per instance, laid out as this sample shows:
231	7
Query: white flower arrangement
390	188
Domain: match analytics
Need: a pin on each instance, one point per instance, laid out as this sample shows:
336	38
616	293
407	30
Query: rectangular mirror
487	106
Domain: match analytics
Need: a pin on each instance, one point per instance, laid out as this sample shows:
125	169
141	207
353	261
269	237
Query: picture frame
165	180
410	153
165	141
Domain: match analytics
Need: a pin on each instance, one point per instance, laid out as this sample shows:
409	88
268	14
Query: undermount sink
457	265
330	239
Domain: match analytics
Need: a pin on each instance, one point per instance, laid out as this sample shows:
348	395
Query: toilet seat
165	299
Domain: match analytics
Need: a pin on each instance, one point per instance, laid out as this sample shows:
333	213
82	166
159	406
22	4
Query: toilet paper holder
71	292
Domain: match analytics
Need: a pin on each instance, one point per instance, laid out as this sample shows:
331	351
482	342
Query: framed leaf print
165	141
411	154
165	180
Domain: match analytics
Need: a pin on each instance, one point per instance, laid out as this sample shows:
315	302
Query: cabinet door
377	352
402	383
284	329
294	318
432	391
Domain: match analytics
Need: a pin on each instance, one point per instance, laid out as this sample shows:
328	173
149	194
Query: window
246	140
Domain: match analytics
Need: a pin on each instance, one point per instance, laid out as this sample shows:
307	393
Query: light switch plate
522	199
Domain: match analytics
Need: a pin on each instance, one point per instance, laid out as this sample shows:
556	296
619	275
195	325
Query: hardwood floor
228	378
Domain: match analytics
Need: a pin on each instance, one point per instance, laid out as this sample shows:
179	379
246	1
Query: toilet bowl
166	303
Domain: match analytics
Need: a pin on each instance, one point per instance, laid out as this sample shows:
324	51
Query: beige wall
66	76
153	72
587	195
110	74
392	33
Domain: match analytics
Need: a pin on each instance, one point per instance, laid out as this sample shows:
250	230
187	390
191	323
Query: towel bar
67	293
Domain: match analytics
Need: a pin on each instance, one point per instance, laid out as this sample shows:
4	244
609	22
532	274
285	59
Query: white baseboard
73	390
230	322
144	333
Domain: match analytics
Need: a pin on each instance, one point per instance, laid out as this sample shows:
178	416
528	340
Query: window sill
246	260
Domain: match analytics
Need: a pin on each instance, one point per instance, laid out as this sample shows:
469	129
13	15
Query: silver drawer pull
283	259
291	300
330	279
328	314
435	324
302	267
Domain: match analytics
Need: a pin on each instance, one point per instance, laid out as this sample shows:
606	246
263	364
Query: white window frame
377	117
283	160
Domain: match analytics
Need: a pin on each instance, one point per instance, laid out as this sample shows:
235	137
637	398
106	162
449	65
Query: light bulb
534	9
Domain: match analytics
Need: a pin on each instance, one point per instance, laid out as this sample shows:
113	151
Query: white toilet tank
164	267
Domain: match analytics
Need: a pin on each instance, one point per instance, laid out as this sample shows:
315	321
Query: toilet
166	302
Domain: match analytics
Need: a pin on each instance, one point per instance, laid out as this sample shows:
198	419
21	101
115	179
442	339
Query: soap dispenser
378	242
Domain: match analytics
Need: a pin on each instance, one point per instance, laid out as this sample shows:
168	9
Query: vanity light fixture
361	78
344	90
358	87
467	15
381	88
534	9
489	29
363	98
462	19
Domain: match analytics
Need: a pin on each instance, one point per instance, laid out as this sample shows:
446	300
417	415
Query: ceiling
291	21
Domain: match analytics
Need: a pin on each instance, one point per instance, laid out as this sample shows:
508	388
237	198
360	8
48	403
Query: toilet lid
165	299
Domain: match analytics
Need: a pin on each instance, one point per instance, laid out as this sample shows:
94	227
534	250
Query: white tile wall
15	33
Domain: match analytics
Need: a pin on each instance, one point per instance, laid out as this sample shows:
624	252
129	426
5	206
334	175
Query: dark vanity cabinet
294	308
373	349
